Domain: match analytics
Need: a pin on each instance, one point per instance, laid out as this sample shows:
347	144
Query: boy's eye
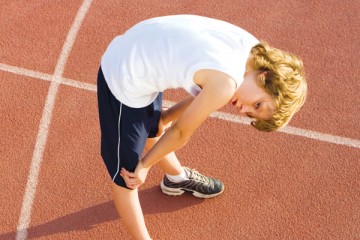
257	105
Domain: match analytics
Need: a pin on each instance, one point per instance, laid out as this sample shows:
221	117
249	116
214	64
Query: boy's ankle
178	178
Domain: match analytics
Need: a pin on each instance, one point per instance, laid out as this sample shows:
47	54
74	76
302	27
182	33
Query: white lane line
56	80
295	131
25	72
321	136
47	77
220	115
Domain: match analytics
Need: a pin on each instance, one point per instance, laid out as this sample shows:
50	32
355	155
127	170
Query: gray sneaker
198	184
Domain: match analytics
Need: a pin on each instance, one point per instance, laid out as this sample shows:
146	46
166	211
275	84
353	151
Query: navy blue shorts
124	130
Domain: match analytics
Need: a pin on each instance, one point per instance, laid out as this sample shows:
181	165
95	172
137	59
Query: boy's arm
172	114
216	92
212	97
175	111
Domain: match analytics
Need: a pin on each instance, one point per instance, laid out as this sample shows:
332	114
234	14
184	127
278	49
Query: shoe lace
198	176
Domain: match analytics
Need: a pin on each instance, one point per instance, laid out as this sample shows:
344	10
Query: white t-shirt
165	52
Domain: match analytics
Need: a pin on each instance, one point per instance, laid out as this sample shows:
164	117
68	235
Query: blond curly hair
283	79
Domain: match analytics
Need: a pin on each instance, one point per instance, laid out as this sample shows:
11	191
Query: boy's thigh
134	130
124	131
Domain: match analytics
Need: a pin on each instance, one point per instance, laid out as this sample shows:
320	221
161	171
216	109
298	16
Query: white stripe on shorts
118	150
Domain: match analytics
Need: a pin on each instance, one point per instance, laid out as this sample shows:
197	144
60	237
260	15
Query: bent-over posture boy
216	63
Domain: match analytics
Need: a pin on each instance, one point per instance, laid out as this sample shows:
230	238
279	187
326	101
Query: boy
217	63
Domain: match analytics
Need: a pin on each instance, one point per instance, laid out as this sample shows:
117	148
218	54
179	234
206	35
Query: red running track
278	185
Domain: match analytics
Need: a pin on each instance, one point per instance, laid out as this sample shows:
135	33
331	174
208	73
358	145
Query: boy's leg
170	163
198	184
124	131
128	206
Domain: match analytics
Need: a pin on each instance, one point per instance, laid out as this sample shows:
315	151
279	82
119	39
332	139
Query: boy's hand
137	178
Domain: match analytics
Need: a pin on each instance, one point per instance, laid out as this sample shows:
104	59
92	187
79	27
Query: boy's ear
261	76
265	73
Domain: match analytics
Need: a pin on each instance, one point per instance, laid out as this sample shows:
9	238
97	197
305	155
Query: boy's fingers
127	173
131	175
130	180
127	180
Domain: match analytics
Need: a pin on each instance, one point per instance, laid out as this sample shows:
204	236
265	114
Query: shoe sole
180	191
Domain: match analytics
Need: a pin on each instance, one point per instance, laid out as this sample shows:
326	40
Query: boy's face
251	100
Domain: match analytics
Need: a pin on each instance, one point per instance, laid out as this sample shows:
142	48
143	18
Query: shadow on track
153	202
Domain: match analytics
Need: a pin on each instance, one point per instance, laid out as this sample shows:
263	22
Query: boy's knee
120	189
